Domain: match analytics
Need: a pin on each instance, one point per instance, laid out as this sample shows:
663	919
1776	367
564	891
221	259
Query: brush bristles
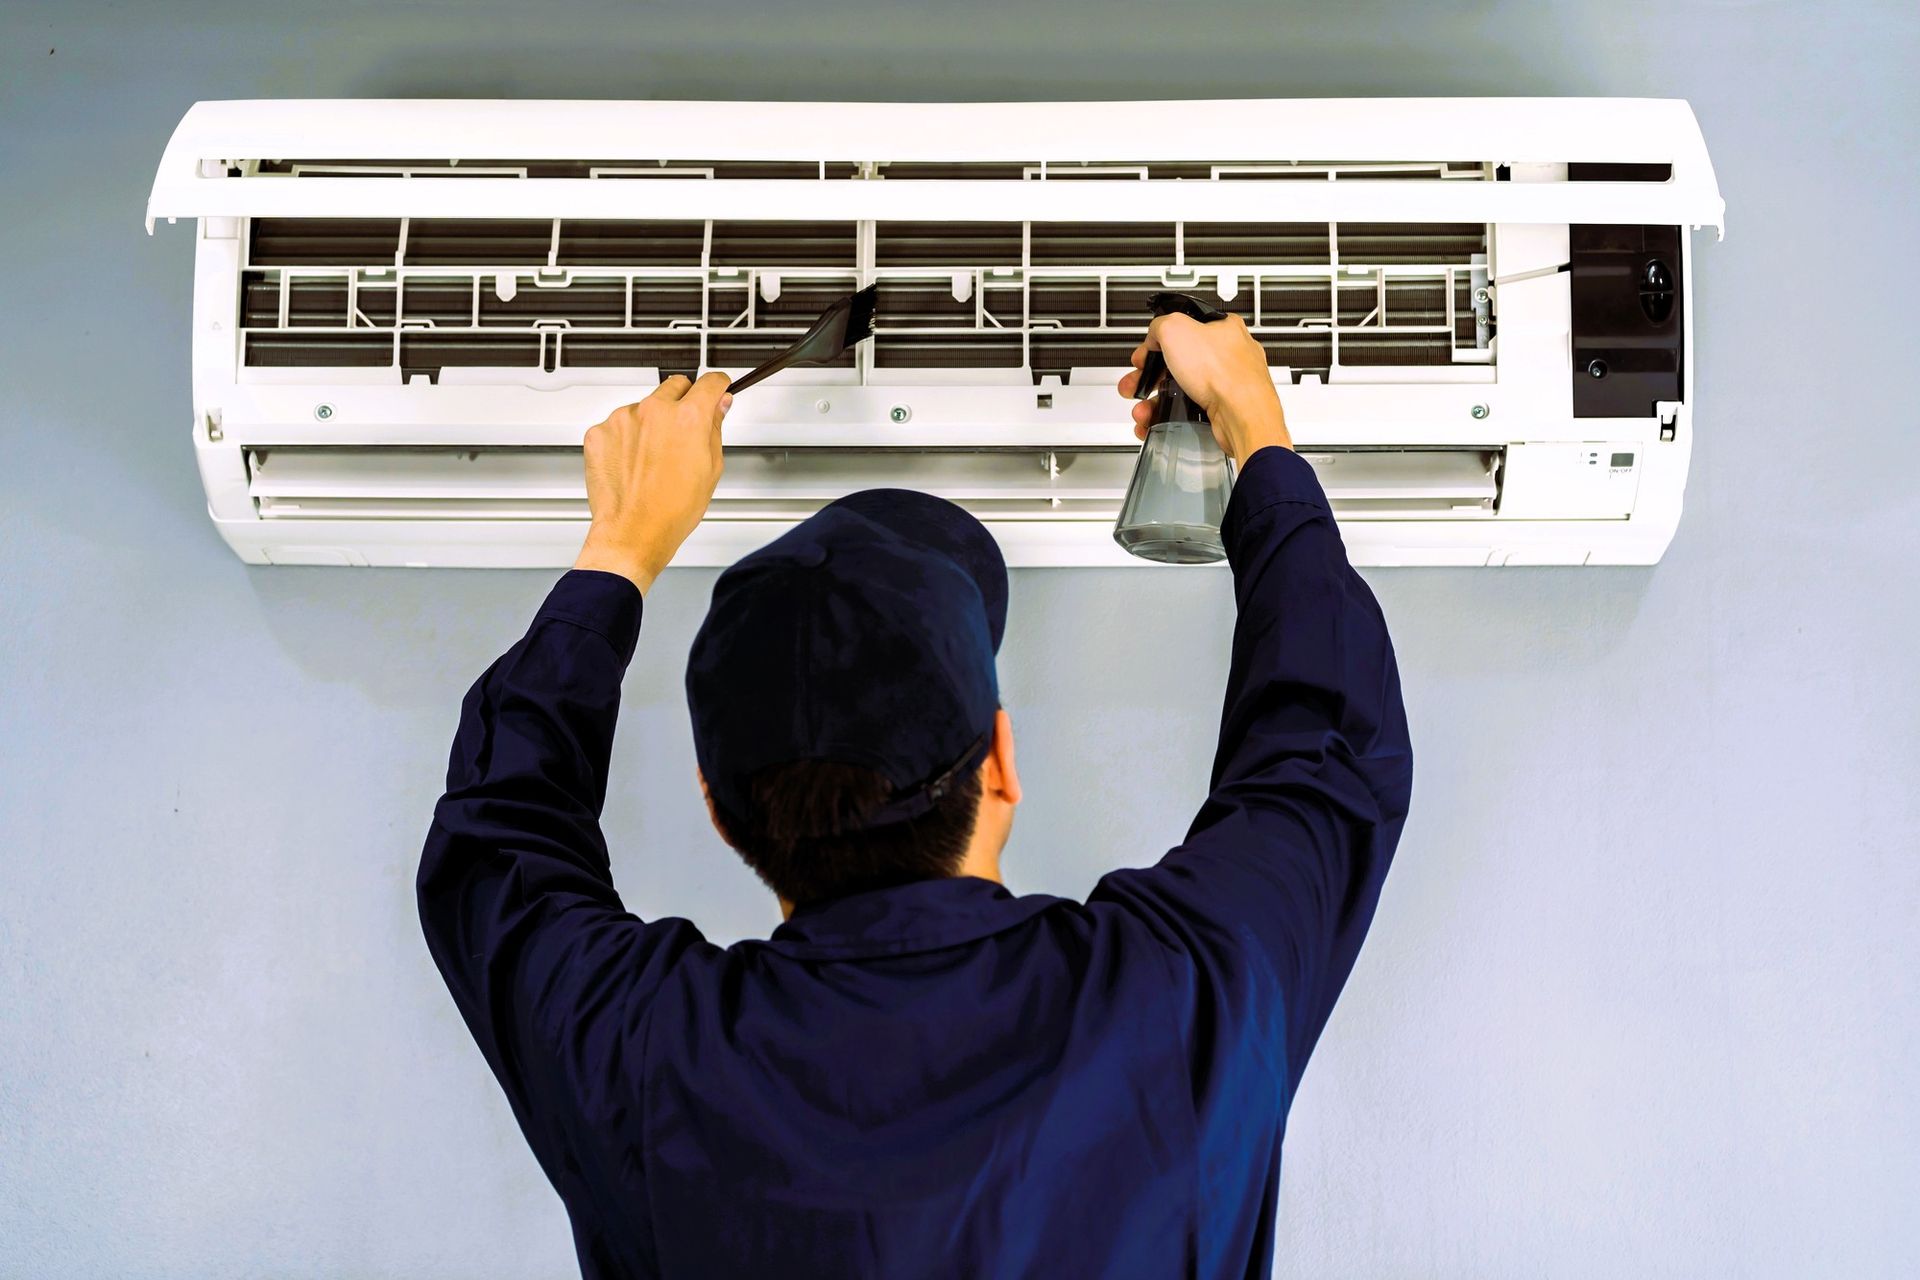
861	322
845	324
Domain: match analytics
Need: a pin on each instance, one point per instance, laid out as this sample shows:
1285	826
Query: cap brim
946	528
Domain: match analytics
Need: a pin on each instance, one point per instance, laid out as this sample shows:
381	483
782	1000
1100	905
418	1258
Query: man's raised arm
1274	887
515	893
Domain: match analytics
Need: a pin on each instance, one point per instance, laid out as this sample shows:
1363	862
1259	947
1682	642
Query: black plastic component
1626	319
1165	302
1656	290
1592	172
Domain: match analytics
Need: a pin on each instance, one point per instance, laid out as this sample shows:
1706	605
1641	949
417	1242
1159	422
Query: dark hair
802	835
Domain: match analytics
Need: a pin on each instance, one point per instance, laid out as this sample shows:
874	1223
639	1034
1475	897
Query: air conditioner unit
406	313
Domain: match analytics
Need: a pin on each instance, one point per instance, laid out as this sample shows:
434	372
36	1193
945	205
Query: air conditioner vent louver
761	483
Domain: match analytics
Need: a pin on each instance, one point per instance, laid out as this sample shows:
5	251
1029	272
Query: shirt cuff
1273	475
606	604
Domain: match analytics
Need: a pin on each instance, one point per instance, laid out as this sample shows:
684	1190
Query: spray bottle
1181	483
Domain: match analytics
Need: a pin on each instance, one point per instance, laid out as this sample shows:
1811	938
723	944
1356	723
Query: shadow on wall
916	53
399	636
402	636
415	639
1451	624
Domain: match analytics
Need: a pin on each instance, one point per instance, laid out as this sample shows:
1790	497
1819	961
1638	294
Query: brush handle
771	367
788	357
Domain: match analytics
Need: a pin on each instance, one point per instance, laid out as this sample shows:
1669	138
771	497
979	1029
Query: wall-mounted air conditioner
407	313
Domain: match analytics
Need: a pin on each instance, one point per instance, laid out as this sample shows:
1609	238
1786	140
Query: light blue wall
1641	996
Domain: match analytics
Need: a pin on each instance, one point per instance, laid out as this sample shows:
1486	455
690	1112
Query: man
919	1073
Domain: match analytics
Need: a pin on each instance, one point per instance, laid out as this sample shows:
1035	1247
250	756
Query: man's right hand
1221	366
651	470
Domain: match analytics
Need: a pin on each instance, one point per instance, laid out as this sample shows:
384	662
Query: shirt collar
922	916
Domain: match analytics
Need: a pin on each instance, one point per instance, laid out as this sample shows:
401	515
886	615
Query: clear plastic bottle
1178	497
1181	484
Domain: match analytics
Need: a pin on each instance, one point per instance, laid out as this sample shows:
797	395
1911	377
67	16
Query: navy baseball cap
865	635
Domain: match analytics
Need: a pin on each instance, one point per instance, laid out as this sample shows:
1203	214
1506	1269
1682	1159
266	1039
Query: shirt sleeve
1273	889
515	892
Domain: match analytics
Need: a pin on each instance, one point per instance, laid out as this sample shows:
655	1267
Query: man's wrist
1247	435
610	555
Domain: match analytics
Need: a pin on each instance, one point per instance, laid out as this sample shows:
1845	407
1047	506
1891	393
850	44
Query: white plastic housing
1471	457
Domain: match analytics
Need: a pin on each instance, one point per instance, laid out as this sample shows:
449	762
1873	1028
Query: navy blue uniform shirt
941	1079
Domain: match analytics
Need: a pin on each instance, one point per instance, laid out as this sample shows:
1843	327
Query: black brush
848	321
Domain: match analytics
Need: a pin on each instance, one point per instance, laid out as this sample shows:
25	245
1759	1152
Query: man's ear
998	777
713	814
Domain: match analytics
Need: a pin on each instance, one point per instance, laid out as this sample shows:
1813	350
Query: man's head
845	705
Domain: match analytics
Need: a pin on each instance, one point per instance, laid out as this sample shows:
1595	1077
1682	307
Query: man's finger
1157	329
671	388
705	394
1129	384
1154	328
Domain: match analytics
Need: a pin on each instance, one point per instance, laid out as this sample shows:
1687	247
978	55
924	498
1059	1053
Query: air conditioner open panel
407	312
